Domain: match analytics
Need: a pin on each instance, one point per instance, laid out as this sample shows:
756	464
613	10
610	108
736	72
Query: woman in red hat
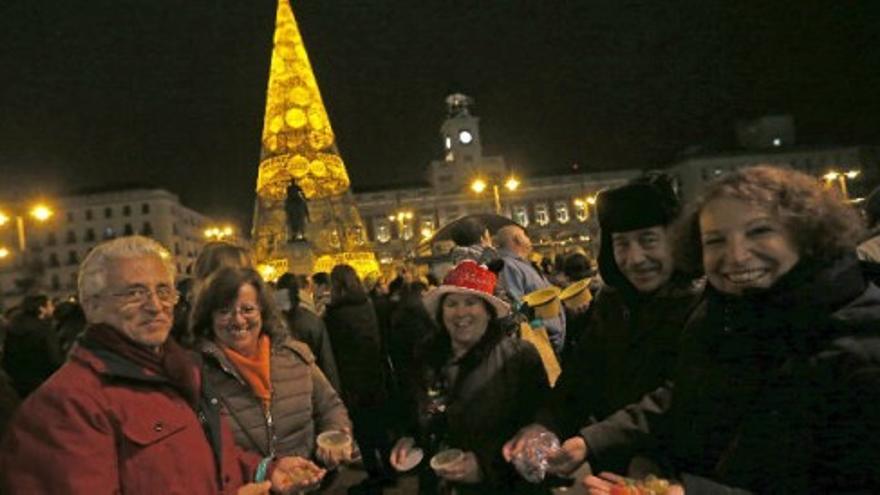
476	387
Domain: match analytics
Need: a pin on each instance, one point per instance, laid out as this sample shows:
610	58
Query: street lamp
219	233
480	185
38	212
841	178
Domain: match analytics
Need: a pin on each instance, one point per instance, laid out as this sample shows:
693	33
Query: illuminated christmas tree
299	147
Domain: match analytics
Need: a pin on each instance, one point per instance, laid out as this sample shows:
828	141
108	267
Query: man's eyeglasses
245	311
167	296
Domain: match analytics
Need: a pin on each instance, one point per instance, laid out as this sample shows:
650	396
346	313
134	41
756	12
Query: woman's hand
464	470
400	451
331	458
255	489
293	474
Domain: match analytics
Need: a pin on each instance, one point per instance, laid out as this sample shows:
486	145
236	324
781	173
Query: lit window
109	233
542	215
521	215
561	210
581	210
406	232
383	233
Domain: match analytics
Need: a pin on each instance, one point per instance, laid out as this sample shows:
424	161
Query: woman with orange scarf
275	396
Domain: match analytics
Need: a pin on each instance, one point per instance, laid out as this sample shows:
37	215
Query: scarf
170	362
254	370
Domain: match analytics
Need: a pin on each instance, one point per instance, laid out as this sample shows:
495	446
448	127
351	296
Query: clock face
465	137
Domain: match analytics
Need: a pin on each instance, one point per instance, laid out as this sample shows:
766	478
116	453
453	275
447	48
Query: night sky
172	92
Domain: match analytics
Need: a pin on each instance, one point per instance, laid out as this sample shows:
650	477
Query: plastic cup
446	458
335	441
576	294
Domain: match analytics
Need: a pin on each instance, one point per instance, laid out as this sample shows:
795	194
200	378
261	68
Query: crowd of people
731	345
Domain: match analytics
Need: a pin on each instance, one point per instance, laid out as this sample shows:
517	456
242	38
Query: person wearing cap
475	388
519	277
629	343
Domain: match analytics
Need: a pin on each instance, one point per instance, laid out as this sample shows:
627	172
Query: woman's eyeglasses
245	311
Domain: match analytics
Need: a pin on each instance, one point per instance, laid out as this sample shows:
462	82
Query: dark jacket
629	348
488	402
775	392
32	352
101	425
356	344
303	401
308	327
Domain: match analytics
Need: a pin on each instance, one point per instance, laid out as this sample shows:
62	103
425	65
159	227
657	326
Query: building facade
694	172
557	211
55	248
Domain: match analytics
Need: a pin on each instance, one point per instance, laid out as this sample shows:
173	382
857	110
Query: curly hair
822	226
220	290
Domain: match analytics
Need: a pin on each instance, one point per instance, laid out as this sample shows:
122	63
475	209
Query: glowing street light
219	233
841	178
38	212
4	253
480	185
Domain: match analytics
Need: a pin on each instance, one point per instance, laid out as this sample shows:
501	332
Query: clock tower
463	159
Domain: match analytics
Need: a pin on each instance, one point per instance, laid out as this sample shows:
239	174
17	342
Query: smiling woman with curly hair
822	227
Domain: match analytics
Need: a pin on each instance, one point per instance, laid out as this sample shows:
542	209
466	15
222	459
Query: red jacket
101	426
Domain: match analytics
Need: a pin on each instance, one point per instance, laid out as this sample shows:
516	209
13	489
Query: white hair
93	271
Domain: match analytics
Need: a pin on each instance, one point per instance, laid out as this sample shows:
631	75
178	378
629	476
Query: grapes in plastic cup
445	458
531	462
335	441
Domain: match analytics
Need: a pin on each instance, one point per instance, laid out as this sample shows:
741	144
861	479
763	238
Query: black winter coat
309	328
32	353
356	344
491	398
628	349
775	392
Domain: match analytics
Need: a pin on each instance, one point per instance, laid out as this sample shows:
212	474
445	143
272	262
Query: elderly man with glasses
129	412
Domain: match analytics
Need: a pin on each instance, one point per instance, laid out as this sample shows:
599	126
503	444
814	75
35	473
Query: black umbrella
492	221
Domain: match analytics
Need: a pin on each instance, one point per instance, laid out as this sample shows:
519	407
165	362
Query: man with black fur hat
629	342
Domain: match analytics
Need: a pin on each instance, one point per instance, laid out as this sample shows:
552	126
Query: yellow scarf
254	370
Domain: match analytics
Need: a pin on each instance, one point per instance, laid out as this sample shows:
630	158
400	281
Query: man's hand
464	470
293	474
571	454
518	442
255	488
